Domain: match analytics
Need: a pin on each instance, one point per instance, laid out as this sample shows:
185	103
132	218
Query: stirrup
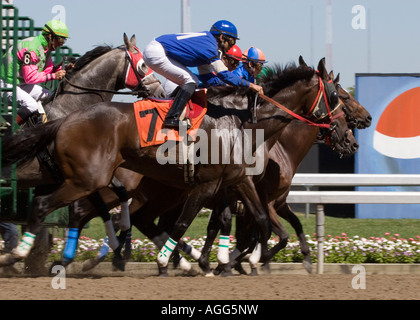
175	124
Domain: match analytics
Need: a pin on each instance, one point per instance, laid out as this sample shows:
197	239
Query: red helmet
235	52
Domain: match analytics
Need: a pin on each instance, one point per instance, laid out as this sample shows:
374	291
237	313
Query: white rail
345	197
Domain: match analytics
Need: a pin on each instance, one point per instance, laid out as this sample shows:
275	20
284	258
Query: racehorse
96	77
284	159
88	156
144	219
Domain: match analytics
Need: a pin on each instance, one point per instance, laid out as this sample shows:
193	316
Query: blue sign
391	145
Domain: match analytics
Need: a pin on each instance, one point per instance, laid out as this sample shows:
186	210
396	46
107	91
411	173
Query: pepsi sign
391	145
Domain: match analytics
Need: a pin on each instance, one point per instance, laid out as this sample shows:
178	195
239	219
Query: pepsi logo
397	133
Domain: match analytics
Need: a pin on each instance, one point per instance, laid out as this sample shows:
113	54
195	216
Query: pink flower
387	233
397	235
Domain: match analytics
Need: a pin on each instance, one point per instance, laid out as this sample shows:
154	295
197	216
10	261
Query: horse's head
331	108
139	74
357	116
138	68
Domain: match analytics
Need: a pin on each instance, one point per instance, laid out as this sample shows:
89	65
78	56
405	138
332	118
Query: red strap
295	115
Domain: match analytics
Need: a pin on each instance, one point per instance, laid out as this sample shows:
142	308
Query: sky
368	36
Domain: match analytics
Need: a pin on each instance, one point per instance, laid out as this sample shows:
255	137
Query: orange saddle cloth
151	113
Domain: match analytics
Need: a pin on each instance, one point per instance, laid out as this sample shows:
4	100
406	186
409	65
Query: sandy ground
238	287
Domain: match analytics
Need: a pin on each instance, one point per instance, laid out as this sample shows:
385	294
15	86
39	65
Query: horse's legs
225	226
213	228
254	206
45	201
286	213
193	204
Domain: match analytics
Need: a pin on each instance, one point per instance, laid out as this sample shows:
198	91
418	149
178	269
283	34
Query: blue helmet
224	27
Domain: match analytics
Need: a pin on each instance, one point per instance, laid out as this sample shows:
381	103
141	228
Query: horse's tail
26	144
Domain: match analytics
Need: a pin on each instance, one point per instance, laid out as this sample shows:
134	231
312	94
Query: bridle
138	90
320	108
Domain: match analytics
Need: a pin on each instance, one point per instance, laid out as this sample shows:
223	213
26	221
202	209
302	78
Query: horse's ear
337	80
129	45
322	70
302	62
331	75
133	40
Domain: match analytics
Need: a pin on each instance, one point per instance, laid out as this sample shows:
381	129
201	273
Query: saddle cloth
150	114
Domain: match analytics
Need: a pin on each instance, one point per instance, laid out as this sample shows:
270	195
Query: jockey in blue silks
251	65
170	55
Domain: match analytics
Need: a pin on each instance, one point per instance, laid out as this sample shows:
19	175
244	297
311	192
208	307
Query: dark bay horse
88	156
284	159
97	76
144	218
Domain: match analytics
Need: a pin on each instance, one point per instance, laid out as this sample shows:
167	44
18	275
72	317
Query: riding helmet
56	27
224	27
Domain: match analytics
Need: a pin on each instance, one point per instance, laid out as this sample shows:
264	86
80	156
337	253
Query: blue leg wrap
71	245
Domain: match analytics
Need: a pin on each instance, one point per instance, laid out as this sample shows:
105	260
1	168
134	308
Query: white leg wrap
184	264
255	256
165	252
125	216
223	252
195	254
25	245
112	238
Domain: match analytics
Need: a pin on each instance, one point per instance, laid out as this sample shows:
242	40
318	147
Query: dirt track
263	287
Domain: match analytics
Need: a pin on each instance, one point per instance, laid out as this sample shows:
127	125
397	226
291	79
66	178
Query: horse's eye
334	98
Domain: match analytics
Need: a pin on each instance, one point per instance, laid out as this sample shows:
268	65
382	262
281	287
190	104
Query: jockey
34	66
232	58
171	55
251	65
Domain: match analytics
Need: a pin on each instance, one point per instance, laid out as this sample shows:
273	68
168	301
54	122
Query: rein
320	95
295	115
136	91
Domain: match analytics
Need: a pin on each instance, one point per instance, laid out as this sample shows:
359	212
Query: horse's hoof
266	268
209	275
118	263
163	272
254	272
54	264
90	264
7	260
307	265
226	274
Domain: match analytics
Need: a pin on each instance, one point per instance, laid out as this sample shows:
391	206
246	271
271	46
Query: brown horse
144	218
88	155
97	76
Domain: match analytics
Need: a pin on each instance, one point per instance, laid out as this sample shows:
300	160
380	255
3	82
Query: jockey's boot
181	99
23	114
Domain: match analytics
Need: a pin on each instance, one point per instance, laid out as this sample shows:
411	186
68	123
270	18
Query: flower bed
340	249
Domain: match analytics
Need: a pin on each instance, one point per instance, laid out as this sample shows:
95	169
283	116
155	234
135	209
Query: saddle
150	115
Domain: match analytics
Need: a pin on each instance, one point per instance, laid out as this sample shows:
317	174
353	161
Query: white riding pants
155	57
27	95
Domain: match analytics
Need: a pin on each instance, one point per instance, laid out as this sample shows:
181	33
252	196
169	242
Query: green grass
406	228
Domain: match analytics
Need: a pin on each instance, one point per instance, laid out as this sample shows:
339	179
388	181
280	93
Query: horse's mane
79	64
278	77
272	80
88	57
